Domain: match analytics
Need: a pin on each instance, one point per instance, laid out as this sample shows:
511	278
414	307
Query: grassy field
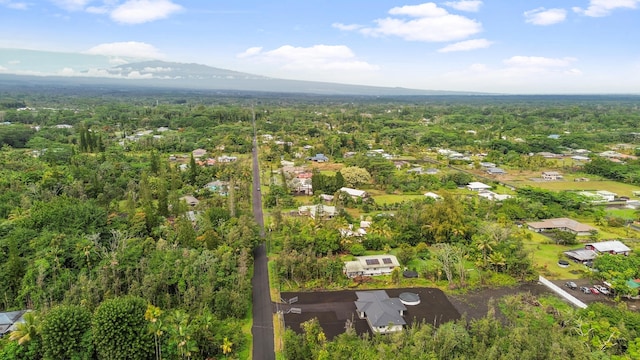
393	198
545	255
613	186
629	214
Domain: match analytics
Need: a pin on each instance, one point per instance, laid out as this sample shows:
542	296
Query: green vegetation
125	243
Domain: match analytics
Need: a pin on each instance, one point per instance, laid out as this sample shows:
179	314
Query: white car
603	290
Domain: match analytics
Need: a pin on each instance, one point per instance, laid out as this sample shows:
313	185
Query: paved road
262	330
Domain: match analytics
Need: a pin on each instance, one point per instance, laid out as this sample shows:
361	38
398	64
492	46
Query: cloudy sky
509	46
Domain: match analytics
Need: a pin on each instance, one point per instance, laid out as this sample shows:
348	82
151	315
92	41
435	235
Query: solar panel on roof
372	261
386	260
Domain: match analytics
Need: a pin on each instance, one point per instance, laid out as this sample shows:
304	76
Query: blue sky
508	46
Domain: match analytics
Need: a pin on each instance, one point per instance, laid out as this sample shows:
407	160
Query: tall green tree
66	333
120	331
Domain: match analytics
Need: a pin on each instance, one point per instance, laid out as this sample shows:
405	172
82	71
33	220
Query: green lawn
545	255
629	214
613	186
393	198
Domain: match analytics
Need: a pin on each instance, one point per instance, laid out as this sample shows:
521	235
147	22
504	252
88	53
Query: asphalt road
262	330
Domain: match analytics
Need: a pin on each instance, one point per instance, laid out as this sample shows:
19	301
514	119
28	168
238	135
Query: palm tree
27	330
498	260
382	228
484	244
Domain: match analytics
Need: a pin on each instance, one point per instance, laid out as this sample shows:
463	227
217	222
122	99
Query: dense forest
102	240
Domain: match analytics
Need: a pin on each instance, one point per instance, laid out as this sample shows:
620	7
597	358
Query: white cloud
542	16
2	68
156	69
132	49
317	57
467	45
14	5
538	62
117	61
138	75
428	23
72	5
599	8
97	9
422	10
250	52
13	62
142	11
467	5
345	27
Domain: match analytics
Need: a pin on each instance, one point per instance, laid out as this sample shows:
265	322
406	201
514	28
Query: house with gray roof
319	158
384	314
562	224
613	247
9	320
495	171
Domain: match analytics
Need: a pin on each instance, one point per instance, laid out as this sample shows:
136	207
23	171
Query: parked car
594	291
603	290
585	290
571	285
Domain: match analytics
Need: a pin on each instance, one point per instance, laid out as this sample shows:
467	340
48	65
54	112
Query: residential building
580	158
496	171
583	256
562	224
384	314
477	186
190	200
432	195
218	186
551	175
9	320
323	212
227	159
354	193
371	265
487	165
198	153
326	197
613	247
490	195
607	195
319	158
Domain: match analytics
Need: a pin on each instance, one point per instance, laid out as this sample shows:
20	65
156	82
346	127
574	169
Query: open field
613	186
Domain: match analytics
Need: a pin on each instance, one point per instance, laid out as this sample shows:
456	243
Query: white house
432	195
613	247
227	159
551	175
354	193
477	186
490	195
371	265
384	314
318	211
607	195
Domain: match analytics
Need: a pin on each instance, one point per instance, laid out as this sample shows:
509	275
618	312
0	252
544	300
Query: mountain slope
72	69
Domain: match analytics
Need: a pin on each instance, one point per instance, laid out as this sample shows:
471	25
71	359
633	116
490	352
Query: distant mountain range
82	69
